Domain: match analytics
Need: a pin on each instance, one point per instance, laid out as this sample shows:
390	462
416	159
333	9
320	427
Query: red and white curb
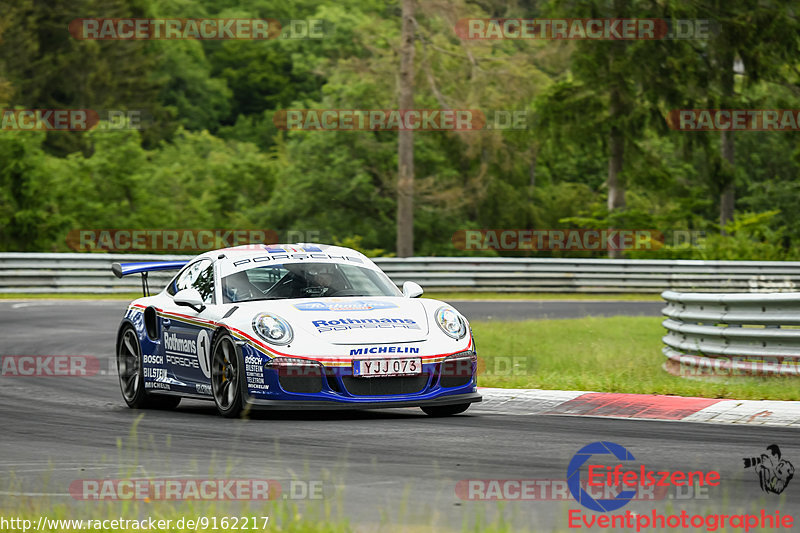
639	406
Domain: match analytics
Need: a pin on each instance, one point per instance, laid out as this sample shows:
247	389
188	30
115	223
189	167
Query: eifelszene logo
774	473
633	477
574	476
630	479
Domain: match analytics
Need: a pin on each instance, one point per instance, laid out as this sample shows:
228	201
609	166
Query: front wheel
131	376
445	410
226	380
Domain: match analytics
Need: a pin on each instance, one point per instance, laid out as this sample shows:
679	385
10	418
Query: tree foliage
211	156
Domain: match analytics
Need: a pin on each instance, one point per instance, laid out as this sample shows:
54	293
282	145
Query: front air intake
385	386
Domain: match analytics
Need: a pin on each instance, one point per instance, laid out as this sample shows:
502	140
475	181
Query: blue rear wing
126	269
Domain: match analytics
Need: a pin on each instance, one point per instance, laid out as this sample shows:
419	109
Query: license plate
387	367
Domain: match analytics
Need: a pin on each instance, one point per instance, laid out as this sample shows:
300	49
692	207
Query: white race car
292	326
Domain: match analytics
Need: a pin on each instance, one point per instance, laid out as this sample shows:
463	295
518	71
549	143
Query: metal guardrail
727	335
592	275
74	273
91	273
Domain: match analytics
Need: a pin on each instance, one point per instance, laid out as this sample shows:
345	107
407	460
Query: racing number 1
202	352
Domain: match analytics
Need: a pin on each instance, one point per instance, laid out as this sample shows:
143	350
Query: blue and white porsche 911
292	326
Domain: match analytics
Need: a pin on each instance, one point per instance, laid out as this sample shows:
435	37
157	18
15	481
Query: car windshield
305	280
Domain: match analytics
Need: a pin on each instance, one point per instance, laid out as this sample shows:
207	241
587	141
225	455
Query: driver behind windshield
307	281
322	280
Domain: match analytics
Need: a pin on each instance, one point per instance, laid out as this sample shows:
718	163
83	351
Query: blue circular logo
574	477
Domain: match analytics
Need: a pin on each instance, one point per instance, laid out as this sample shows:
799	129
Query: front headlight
451	322
295	367
273	328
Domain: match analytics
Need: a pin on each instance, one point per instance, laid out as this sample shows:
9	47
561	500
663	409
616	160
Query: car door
187	332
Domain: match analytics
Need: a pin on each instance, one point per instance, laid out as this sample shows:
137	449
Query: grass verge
538	296
617	354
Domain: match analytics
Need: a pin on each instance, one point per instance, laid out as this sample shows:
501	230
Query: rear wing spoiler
125	269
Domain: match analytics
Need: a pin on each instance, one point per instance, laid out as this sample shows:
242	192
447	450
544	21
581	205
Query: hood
357	320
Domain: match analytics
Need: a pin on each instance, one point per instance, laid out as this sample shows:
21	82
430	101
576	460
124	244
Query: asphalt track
383	470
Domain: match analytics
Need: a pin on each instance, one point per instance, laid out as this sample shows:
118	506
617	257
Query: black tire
226	376
445	410
131	376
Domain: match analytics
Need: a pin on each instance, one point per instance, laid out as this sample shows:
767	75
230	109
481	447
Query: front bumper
446	382
451	399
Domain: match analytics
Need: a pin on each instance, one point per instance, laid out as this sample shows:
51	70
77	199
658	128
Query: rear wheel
445	410
226	380
131	376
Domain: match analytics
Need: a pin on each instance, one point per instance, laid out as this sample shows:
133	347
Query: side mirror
411	290
190	298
